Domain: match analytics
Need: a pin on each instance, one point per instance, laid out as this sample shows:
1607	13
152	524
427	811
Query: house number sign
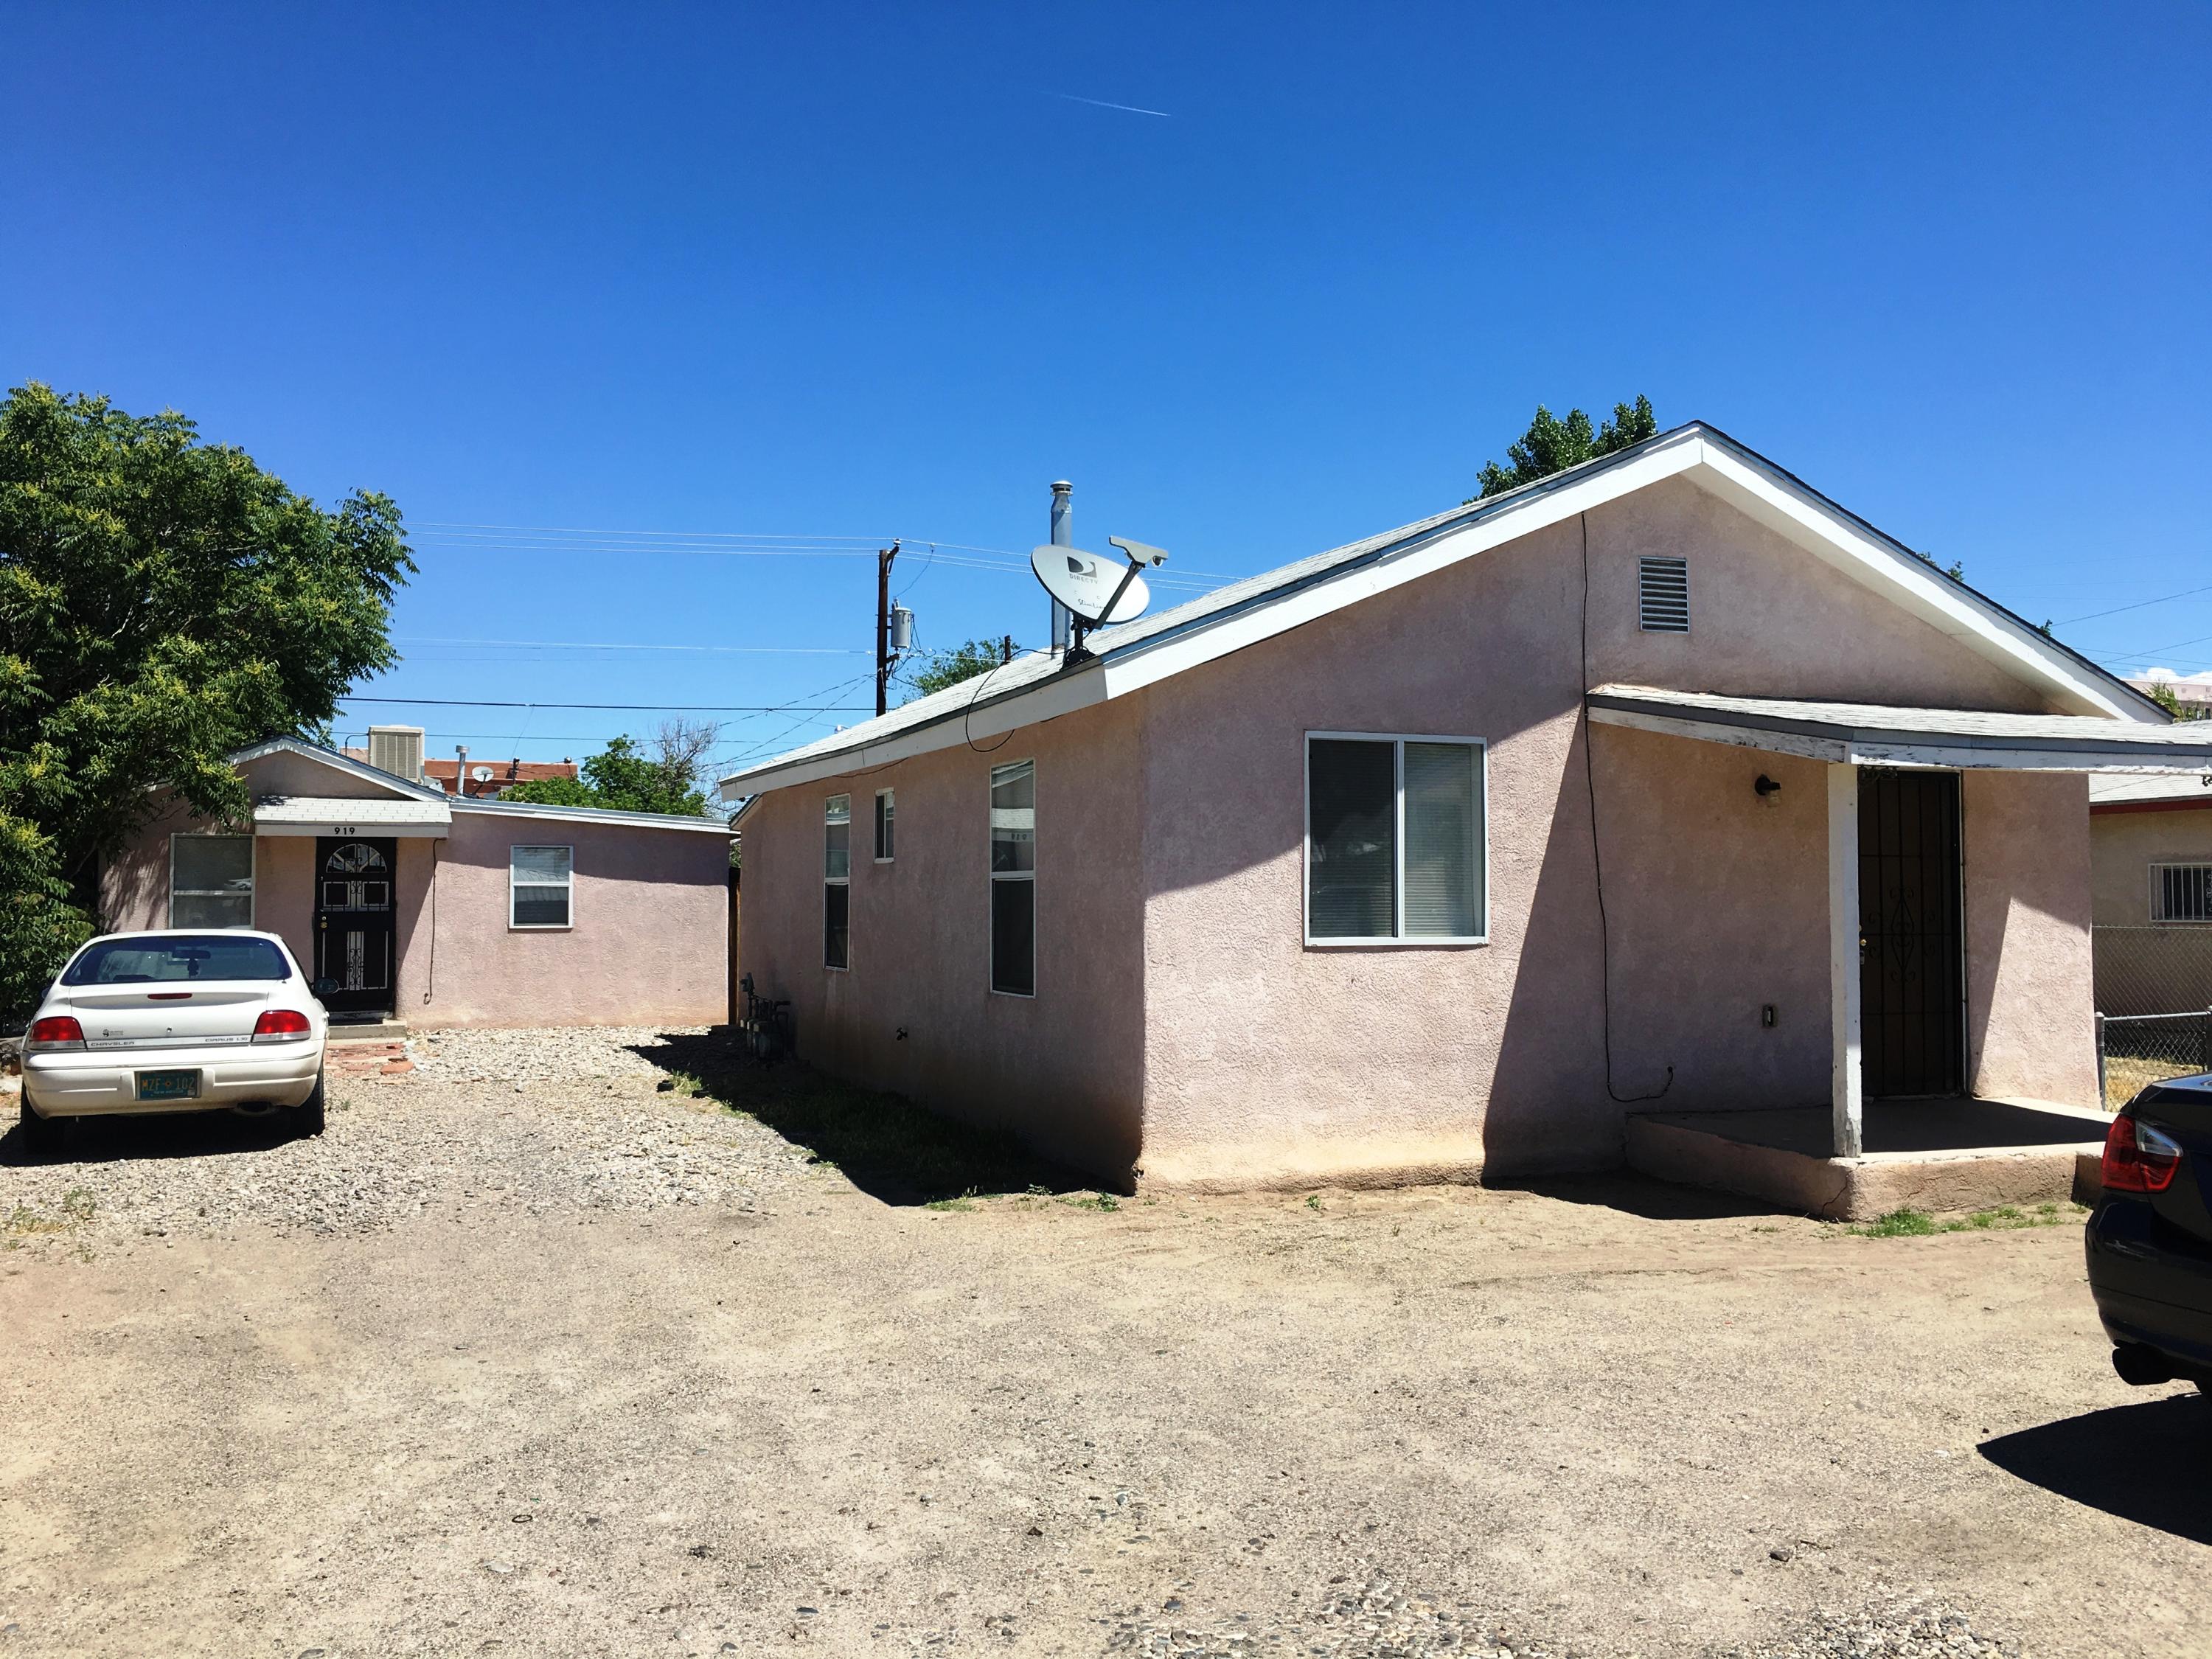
343	829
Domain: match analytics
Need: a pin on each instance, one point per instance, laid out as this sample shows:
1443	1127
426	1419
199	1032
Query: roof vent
398	750
1662	595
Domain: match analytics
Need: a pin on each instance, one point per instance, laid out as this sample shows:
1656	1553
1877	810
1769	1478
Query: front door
353	941
1911	961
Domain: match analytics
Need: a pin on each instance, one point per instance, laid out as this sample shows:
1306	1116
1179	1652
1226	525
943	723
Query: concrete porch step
373	1030
1937	1156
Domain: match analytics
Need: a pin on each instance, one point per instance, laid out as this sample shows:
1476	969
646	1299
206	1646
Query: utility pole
883	625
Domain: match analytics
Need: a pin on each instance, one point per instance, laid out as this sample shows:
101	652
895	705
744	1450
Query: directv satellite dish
1098	591
481	774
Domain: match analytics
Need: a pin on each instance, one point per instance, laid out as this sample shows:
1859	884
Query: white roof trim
325	815
1874	734
337	763
530	809
1136	654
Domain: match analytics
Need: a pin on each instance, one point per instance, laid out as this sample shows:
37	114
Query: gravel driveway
538	1120
529	1355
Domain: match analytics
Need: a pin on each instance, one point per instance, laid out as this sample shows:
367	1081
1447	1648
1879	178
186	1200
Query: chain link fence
2154	993
2152	970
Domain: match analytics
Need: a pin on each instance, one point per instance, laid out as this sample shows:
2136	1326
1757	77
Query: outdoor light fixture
1766	786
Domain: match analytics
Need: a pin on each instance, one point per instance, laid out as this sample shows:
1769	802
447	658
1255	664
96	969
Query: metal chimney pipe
461	770
1063	535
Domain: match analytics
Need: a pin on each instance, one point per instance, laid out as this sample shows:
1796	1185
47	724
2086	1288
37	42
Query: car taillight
279	1023
55	1031
2138	1158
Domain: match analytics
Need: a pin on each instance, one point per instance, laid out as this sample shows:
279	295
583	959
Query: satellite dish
481	774
1087	583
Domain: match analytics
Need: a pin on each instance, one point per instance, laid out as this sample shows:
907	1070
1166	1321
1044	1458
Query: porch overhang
335	815
1875	734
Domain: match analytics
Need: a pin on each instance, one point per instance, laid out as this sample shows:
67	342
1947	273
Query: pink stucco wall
1265	1060
649	945
135	883
1063	1067
2030	1026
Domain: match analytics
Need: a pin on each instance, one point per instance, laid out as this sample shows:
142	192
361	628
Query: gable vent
1662	595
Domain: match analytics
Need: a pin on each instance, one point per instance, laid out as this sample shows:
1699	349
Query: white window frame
844	881
1401	941
990	941
253	880
885	797
2157	892
514	927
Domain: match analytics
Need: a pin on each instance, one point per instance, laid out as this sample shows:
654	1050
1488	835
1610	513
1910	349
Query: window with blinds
540	886
210	881
837	882
1394	841
1662	595
2181	892
1013	879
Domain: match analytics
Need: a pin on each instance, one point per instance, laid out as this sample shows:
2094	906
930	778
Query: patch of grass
1313	1201
1898	1223
966	1202
77	1206
885	1145
2005	1217
1105	1201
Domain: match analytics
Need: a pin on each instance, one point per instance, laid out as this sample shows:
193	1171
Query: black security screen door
354	942
1911	962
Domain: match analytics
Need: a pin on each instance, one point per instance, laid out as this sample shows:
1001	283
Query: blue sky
850	272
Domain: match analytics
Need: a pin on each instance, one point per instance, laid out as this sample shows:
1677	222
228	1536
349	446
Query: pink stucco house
1663	788
438	910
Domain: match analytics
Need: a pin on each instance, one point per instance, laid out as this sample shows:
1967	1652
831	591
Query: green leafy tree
629	777
1552	444
162	601
2162	694
936	670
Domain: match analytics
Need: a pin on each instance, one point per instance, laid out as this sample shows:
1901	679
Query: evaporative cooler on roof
1662	595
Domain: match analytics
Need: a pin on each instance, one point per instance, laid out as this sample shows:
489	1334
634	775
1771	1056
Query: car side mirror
323	987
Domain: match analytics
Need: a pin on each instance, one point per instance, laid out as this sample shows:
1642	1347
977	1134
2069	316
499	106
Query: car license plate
168	1085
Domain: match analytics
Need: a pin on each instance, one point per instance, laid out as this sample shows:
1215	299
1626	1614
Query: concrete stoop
2036	1158
369	1030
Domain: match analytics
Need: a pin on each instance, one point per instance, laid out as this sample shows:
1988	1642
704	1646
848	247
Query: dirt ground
1603	1418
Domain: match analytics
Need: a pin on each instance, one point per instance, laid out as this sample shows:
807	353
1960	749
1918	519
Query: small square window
210	881
2181	892
540	886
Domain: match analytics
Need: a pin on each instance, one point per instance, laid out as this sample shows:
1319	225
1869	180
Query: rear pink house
439	910
1661	795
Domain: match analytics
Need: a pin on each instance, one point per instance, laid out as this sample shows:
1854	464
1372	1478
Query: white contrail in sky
1101	103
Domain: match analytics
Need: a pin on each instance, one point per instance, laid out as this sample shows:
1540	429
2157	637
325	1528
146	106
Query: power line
542	538
625	708
2185	593
616	645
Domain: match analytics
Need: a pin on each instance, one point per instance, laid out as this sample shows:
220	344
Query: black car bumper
2151	1294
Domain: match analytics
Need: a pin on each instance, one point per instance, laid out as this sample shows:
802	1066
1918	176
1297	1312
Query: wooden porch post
1845	1082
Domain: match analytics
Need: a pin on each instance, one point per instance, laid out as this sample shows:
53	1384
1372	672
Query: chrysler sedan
175	1022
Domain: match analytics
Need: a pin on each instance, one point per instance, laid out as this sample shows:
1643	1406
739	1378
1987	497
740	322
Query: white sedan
179	1021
